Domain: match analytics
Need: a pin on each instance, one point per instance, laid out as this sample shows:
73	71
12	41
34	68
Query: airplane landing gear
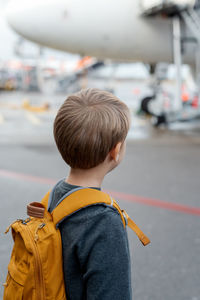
157	119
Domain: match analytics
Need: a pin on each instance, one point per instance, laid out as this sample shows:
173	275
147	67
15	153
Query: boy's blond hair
88	126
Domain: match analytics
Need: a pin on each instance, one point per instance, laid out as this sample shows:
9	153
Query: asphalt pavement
157	183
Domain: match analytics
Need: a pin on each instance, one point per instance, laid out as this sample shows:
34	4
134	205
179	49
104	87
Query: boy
90	131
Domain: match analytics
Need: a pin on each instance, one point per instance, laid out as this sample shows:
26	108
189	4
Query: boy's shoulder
91	224
96	213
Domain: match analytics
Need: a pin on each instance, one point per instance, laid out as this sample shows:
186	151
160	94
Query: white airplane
100	28
116	29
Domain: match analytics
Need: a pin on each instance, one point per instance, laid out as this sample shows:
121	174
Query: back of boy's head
88	126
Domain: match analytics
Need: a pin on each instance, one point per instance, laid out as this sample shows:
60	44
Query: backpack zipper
24	222
39	277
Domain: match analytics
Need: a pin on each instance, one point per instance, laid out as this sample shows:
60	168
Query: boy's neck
86	178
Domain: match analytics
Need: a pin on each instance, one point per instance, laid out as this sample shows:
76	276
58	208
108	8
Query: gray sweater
96	257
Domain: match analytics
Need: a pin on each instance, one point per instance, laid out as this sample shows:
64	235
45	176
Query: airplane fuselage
101	28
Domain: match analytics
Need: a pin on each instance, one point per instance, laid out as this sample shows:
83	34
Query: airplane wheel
159	120
145	105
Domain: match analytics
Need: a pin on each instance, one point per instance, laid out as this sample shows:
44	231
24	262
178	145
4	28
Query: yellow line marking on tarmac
33	119
1	119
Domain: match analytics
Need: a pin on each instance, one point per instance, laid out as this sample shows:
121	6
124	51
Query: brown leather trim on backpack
35	209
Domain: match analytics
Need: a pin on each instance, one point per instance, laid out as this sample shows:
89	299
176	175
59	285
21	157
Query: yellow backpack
35	271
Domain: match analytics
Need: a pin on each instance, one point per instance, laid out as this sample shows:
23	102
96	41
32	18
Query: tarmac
157	183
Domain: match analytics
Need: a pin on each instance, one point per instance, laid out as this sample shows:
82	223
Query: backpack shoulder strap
143	238
77	200
131	224
45	200
86	197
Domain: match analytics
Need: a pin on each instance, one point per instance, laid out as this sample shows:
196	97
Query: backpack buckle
125	217
24	222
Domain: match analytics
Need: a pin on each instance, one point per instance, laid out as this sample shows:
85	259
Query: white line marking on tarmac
33	119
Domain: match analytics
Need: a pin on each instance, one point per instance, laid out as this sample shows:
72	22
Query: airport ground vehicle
7	81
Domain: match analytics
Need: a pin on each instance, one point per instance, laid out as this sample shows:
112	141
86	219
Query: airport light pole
198	71
177	61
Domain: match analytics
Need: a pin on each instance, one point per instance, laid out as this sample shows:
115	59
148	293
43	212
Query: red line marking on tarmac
127	197
26	177
158	203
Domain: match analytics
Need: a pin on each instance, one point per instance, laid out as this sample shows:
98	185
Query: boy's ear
114	153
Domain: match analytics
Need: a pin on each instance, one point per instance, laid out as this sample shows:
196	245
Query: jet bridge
181	11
